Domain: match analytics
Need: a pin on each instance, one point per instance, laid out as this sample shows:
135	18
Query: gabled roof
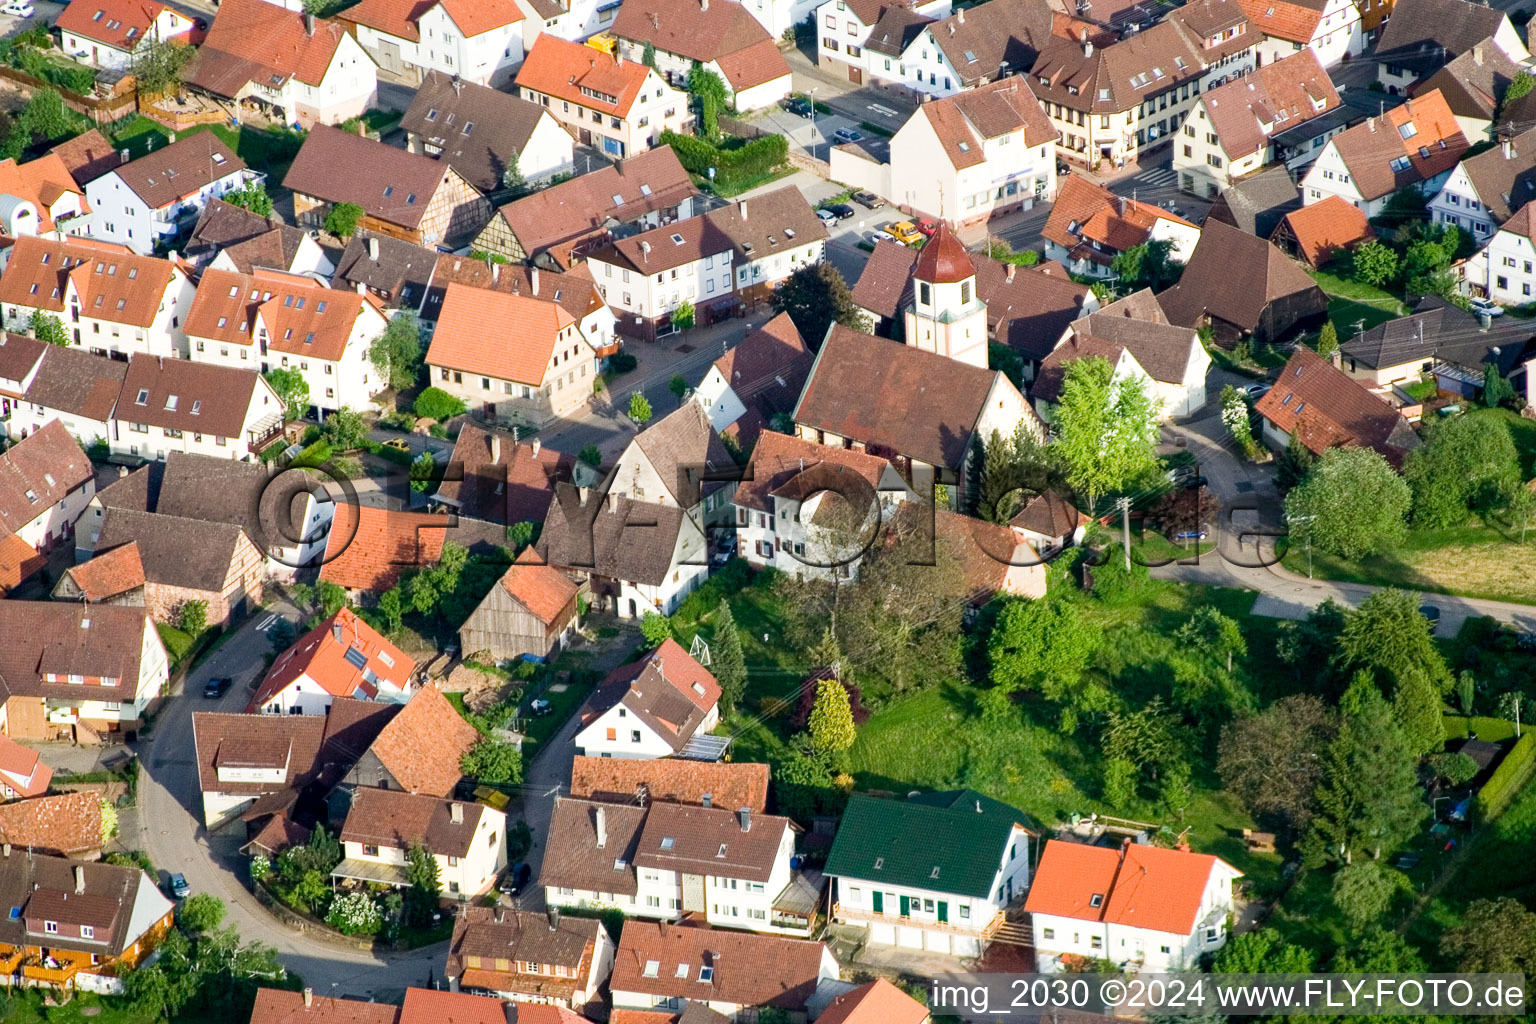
255	41
684	449
37	472
166	176
1406	145
545	592
574	858
1293	20
1325	407
1326	227
395	820
1257	204
506	336
42	182
1246	111
749	969
583	74
310	747
965	121
1085	212
368	547
186	395
1233	277
875	1002
1164	350
1136	886
627	540
1504	176
421	745
280	1006
396	18
1422	35
250	239
779	458
399	274
894	30
1049	515
344	656
25	773
109	574
390	184
1028	308
189	554
768	354
504	481
479	130
622	780
489	934
121	24
48	641
978	40
113	283
62	825
1473	83
691	29
122	903
667	690
895	398
87	156
477	17
665	247
769	223
1439	331
690	839
885	284
436	1006
753	65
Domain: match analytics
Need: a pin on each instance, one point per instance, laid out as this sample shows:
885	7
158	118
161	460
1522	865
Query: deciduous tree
343	219
47	327
639	408
1353	504
1041	644
1107	429
292	390
815	296
1273	760
1364	890
251	196
1374	264
1496	936
1465	464
493	761
396	353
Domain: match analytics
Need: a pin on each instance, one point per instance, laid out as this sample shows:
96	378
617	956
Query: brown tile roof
1164	350
166	176
895	29
1324	228
1233	276
680	445
885	283
774	221
278	834
514	937
1505	176
626	540
749	970
623	1016
943	259
1085	212
1473	83
728	785
208	399
779	458
665	247
278	1006
435	1006
422	745
504	481
1053	368
113	283
510	337
218	736
122	903
499	126
876	1002
690	839
1325	407
1433	144
250	42
87	156
19	355
1257	203
191	554
895	398
701	32
963	122
389	184
1277	97
574	71
1283	19
387	818
753	65
977	41
574	860
37	472
573	289
399	275
249	239
666	689
72	380
580	208
1049	515
327	656
64	825
1028	308
1422	35
545	592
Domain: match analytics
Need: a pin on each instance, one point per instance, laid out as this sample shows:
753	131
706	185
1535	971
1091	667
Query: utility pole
1125	528
1306	521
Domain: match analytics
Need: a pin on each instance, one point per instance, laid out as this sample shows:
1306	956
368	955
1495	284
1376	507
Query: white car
826	216
1487	307
18	10
884	236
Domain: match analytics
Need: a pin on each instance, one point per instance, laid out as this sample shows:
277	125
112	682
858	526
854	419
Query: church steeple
947	315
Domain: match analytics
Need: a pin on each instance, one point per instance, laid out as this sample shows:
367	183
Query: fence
102	110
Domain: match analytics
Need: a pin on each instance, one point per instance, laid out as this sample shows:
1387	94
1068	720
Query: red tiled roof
1325	407
943	260
886	280
670	779
562	69
1294	22
1434	144
543	591
38	472
64	825
110	573
369	547
750	969
41	182
277	1006
1085	211
1325	227
321	656
392	17
508	336
421	745
878	1002
1137	886
114	283
252	40
23	771
122	24
476	17
19	561
1274	98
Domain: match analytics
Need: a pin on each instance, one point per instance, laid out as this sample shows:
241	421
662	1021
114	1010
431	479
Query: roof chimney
703	5
744	817
495	449
1477	55
960	15
373	249
1509	147
309	997
535	447
458	85
533	280
79	879
7	849
309	24
1008	274
336	631
123	156
554	919
618	58
602	828
501	914
742	207
708	799
1371	124
456	813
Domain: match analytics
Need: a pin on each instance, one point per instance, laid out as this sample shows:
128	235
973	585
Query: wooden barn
531	611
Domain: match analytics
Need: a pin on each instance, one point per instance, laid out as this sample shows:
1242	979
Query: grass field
1353	306
263	149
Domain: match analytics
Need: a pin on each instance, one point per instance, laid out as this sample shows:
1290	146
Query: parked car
826	216
515	880
725	550
905	232
847	135
1187	476
842	210
399	444
19	10
1431	615
1487	307
868	200
876	237
798	105
216	687
926	227
178	886
1189	535
1254	392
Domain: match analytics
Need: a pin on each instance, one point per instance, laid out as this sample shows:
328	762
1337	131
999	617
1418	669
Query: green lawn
1522	430
264	149
1353	305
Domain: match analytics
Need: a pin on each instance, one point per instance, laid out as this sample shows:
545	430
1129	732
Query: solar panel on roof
356	658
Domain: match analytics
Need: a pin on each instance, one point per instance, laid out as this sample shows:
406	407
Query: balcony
263	432
49	971
986	931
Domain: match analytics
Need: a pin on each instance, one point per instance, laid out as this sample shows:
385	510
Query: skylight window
970	56
667	842
645	190
1096	900
1103	93
651	968
197	407
432	114
618	200
410	199
1407	130
223	320
218	158
469	126
682	970
707	974
720	852
389	190
170	403
143	398
320	308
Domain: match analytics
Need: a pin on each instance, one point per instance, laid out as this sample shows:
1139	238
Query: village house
46	482
645	191
528	958
42	198
843	29
965	158
667	967
109	300
177	405
1049	522
110	33
1328	29
807	509
281	1006
417	750
775	233
480	41
895	866
1171	357
1111	102
406	195
156	197
483	133
726	39
187	560
22	772
619	107
1323	407
293	66
654	707
343	656
1473	86
1243	286
860	396
77	926
393	271
671	462
512	357
1318	233
40	383
927	56
703	783
1231	131
230	237
529	613
646	277
468	841
78	672
112	577
368	547
758	379
500	480
1416	145
874	1002
271	319
1089	226
61	825
1422	36
1484	190
1138	905
1257	204
1504	269
1441	342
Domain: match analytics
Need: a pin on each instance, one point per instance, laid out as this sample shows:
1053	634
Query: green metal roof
959	834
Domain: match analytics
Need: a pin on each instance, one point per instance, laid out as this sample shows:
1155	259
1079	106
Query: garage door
936	942
883	934
910	938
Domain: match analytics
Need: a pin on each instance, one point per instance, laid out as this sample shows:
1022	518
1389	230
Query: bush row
1508	779
751	159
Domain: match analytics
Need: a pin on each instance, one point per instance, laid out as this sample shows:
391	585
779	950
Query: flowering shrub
355	913
1234	414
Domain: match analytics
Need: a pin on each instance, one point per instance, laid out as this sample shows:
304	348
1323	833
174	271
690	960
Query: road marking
266	623
884	111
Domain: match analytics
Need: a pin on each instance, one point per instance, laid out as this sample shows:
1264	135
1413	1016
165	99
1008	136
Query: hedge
1508	779
1491	730
394	455
751	159
317	454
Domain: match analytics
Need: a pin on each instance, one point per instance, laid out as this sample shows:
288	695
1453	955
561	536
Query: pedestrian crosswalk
1156	177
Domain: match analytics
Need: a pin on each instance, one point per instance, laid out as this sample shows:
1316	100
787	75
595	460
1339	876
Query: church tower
947	316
